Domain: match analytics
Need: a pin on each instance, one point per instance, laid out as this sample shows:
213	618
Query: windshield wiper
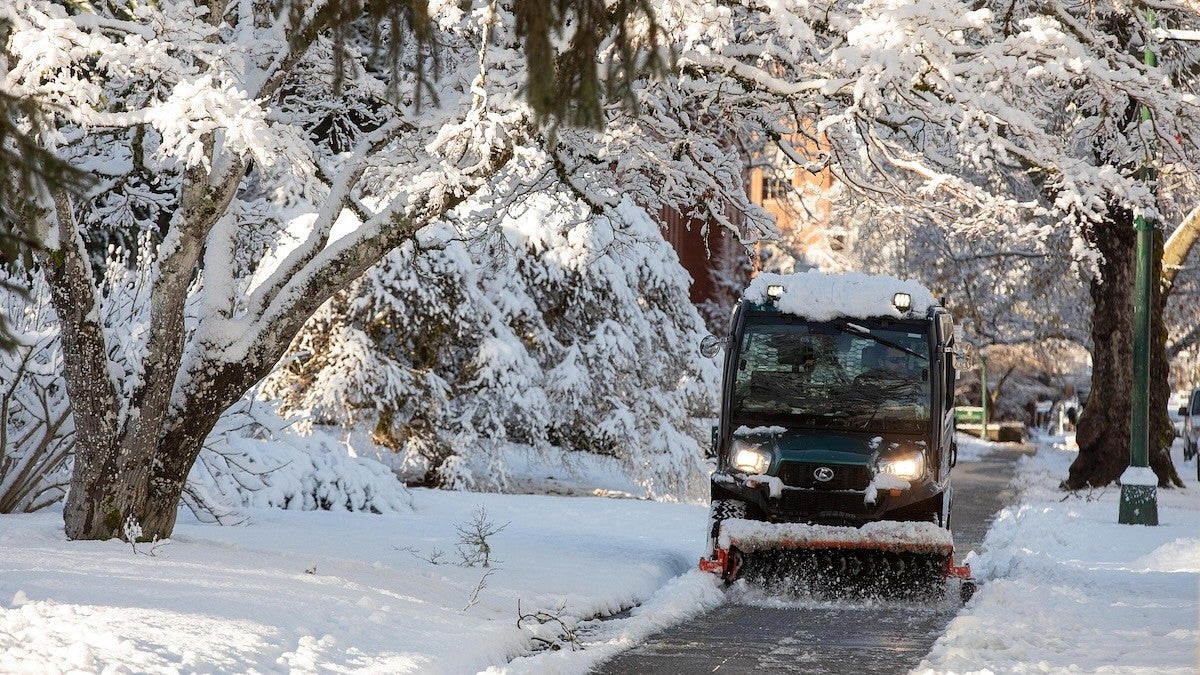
856	329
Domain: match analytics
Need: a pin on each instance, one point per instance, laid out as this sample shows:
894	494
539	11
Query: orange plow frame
723	564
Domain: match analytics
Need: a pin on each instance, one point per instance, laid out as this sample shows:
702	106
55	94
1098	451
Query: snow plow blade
887	558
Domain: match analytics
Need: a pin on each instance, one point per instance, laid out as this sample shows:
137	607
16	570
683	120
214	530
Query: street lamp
1139	485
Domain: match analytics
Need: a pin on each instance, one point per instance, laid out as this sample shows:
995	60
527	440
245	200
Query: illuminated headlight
750	458
908	467
902	301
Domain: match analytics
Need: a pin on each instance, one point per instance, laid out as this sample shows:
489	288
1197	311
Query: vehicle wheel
722	509
947	501
1189	449
966	591
936	509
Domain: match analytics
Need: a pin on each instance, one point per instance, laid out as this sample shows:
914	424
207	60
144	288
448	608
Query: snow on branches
266	167
548	326
1015	115
217	132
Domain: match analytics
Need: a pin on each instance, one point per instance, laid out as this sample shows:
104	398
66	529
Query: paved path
756	634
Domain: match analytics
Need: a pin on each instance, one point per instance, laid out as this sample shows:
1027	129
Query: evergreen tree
550	327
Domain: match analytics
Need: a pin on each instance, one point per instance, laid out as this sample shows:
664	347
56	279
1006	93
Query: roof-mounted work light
775	291
902	301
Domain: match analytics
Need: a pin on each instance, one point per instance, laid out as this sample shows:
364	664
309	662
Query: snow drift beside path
339	592
1068	589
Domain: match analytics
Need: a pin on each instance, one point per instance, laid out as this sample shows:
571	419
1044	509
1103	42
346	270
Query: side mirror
711	345
1182	411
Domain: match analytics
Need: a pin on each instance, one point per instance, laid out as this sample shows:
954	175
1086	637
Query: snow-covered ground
1067	589
341	592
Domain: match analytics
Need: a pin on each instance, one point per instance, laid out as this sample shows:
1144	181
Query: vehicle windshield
852	375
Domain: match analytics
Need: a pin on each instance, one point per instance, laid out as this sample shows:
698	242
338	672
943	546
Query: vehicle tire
1189	449
947	501
719	510
966	591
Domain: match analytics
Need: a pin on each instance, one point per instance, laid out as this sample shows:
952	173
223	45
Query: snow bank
821	297
1068	589
972	448
336	592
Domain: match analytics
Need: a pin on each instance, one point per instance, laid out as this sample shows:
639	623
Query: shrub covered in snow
255	458
36	429
538	325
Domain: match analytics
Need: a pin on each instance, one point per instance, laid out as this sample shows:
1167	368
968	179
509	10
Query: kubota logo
823	474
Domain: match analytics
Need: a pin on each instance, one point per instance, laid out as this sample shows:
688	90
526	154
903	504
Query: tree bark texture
1104	429
1162	431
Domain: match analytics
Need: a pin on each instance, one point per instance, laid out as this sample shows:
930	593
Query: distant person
1070	406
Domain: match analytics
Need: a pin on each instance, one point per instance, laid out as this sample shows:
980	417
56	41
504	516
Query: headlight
908	467
750	457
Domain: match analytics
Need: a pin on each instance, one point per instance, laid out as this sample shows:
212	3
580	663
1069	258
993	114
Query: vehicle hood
825	446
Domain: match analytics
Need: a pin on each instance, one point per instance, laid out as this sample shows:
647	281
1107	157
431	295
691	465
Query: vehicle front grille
845	477
804	504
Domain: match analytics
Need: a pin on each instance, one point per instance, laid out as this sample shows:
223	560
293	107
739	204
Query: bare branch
1178	247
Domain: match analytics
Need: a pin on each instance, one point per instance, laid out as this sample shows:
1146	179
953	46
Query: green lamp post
1139	487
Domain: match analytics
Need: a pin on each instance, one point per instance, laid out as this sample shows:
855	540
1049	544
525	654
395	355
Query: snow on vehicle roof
821	297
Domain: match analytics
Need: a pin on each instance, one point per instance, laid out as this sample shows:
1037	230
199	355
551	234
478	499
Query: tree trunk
135	492
1162	431
133	451
1104	429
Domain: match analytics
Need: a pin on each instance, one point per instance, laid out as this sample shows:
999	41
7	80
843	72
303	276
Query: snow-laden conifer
550	327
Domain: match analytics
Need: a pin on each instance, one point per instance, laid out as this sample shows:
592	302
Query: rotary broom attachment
880	559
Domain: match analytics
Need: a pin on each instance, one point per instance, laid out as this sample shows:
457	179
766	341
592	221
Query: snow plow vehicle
836	438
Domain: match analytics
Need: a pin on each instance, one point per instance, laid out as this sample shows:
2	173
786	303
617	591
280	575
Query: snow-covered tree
1181	282
1024	116
418	352
252	458
217	129
556	327
1003	290
35	416
1018	115
618	358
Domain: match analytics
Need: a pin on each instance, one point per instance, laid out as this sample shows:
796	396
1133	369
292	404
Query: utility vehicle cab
836	403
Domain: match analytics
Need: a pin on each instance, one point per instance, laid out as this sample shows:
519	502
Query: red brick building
720	266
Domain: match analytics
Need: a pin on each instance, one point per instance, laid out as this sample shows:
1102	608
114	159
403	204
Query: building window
775	188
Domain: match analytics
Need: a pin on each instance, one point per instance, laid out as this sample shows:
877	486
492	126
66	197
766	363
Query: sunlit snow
1064	587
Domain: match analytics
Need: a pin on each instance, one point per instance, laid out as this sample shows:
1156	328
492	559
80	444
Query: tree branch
202	204
1178	246
318	237
1187	340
